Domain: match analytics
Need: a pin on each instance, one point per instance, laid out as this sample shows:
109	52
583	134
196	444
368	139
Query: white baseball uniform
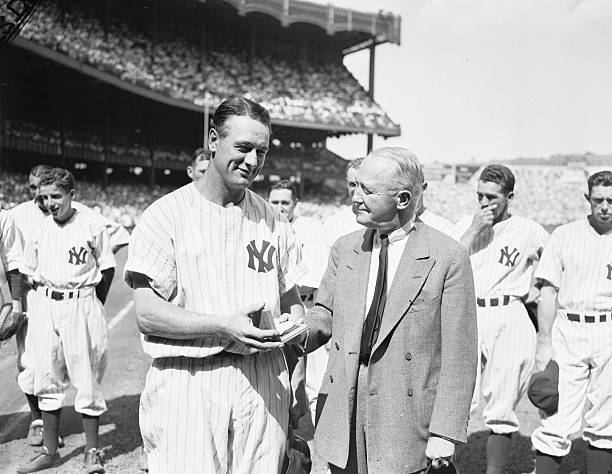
67	335
577	261
204	409
11	250
28	218
342	223
503	260
437	222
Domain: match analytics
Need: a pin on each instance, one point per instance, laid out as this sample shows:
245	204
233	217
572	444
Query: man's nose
251	158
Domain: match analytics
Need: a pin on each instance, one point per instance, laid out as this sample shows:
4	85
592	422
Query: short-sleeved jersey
11	243
28	218
578	262
309	233
503	259
69	255
211	259
437	222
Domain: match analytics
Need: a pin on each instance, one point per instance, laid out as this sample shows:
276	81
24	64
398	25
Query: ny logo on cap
264	256
77	257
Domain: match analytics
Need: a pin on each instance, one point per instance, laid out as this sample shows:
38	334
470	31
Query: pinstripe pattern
576	261
66	340
66	343
503	260
11	242
202	411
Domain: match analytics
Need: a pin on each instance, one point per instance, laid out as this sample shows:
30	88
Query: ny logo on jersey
77	257
609	277
508	258
264	256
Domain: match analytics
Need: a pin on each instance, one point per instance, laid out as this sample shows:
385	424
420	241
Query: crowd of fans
540	195
322	92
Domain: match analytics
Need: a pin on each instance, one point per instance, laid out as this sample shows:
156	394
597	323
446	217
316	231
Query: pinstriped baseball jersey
70	255
11	243
578	261
503	258
28	218
212	259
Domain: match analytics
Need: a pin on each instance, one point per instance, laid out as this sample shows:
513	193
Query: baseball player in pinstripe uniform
503	249
28	217
11	281
204	260
575	319
71	265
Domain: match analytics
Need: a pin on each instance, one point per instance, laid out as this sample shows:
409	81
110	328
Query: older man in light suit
397	301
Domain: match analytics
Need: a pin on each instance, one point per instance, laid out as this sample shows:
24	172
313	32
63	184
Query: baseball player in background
575	319
11	281
199	164
504	249
29	217
71	265
431	219
204	260
309	235
344	221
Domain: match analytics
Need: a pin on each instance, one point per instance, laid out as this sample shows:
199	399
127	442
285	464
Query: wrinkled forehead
601	192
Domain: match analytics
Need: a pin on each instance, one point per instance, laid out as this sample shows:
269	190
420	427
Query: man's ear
587	197
190	171
510	196
213	140
72	193
404	199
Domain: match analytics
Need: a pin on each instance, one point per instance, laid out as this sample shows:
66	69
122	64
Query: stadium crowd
556	199
320	91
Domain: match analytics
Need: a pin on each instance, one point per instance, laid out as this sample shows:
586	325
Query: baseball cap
543	389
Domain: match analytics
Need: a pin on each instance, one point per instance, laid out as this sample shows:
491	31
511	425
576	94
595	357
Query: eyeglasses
359	189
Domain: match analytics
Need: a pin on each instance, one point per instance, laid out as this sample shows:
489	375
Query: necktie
371	326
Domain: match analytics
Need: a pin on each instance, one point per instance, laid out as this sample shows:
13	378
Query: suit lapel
360	264
414	267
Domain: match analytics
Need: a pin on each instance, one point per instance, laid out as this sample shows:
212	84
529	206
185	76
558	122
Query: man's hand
440	451
544	352
245	337
483	220
300	339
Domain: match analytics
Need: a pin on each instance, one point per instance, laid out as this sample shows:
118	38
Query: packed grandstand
110	89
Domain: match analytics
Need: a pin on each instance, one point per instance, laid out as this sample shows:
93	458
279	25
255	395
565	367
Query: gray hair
409	169
354	163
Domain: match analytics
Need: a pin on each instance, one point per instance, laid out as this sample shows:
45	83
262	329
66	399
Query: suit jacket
422	368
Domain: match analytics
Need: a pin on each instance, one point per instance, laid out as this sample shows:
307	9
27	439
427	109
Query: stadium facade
123	90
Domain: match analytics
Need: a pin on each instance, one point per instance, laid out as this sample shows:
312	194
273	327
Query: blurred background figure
198	165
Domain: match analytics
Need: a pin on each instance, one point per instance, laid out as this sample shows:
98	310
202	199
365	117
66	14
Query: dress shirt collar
397	234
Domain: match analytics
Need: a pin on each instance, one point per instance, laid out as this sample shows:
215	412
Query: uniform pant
65	343
507	341
220	414
584	354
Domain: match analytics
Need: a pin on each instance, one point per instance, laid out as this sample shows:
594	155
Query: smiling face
600	200
239	149
57	201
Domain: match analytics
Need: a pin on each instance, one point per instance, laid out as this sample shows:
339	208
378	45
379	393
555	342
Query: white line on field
23	411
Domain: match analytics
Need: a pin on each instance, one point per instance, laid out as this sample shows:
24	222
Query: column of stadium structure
152	146
3	86
105	135
371	88
152	140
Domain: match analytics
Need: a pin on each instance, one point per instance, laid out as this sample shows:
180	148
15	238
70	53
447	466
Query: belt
62	295
484	302
589	318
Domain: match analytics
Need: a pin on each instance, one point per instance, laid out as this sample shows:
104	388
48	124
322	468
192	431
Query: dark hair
499	174
39	170
239	106
62	178
199	152
286	184
602	178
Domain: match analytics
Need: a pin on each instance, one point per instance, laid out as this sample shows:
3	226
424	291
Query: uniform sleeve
104	249
551	263
117	233
540	237
29	261
291	268
11	248
151	251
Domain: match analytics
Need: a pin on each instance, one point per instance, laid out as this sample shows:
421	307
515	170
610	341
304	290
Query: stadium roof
382	27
